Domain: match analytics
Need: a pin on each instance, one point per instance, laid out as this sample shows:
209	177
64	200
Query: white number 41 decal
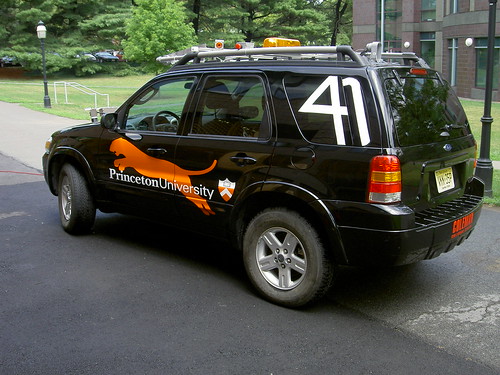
336	109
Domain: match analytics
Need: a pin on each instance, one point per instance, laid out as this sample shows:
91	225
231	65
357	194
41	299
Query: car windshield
425	108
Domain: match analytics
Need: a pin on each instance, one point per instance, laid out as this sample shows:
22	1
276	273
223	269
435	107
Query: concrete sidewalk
24	132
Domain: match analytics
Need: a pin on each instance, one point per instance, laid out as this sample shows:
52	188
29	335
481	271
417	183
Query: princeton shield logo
226	189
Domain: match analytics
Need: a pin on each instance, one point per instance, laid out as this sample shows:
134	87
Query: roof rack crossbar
372	54
407	58
187	58
273	51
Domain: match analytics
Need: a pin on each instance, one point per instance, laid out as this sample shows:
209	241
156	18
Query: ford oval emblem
447	147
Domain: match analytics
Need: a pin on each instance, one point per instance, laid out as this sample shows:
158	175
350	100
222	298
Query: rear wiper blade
453	126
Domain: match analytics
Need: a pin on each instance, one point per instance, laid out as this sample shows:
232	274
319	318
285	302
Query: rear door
339	132
226	148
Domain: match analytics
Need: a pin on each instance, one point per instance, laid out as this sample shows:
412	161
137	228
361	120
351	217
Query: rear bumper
413	237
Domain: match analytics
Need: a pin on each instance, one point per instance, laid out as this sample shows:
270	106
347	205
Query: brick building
437	30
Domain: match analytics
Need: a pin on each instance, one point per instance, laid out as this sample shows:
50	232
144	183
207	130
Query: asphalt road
138	298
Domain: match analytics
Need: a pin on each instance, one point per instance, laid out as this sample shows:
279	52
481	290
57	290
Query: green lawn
495	200
29	93
475	110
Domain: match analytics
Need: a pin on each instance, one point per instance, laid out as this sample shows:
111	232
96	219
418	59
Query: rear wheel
76	206
285	258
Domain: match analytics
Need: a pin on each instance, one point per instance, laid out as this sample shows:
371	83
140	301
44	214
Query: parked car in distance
86	56
120	55
105	57
8	61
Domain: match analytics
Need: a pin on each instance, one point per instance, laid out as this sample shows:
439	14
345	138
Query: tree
301	19
254	20
73	27
157	27
339	16
196	7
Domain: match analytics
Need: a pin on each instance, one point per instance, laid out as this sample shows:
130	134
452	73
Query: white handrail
79	87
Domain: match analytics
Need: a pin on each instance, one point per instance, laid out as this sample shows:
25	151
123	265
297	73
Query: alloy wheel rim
66	199
281	258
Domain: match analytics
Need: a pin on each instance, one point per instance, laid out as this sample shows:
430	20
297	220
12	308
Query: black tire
285	259
76	206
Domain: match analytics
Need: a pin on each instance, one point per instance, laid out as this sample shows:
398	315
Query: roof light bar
281	42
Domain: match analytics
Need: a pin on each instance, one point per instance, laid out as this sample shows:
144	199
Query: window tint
424	108
160	107
232	106
332	109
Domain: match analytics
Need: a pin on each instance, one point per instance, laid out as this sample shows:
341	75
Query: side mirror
108	121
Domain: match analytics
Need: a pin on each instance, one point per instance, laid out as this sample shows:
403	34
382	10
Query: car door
226	148
137	158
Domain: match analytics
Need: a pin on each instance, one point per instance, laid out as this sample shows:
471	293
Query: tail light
384	185
418	71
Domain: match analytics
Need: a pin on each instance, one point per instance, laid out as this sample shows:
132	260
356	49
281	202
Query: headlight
48	144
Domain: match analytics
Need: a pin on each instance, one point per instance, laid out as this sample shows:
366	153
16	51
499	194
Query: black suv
305	158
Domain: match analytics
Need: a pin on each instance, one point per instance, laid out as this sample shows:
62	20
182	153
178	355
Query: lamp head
41	30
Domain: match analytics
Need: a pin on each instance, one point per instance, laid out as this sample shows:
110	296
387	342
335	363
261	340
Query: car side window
160	107
332	110
231	106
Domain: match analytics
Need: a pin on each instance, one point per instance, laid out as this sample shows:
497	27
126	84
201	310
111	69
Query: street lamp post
484	168
41	32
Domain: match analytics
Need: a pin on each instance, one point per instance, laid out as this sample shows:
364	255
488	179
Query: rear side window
333	110
232	106
425	108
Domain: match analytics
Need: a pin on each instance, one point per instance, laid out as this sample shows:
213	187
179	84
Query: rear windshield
425	108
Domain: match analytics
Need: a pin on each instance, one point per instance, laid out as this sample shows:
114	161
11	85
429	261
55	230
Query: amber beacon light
281	42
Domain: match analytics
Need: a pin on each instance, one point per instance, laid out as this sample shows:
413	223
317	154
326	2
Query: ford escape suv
304	158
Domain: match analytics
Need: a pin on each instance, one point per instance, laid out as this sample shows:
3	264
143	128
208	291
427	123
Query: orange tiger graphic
157	168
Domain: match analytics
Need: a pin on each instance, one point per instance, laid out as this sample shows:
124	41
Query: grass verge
475	110
495	200
70	102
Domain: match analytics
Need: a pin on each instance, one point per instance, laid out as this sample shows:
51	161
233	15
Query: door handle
242	159
156	151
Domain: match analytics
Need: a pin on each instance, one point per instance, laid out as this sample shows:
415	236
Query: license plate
444	179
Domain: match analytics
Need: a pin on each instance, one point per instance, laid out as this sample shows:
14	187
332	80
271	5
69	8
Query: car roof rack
372	55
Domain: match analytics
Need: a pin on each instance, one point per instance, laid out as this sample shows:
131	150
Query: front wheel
76	206
285	258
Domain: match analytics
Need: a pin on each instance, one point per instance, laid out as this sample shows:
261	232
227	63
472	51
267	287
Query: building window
481	62
389	13
428	12
428	47
453	6
452	49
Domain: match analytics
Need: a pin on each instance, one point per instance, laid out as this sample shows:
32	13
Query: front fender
57	158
